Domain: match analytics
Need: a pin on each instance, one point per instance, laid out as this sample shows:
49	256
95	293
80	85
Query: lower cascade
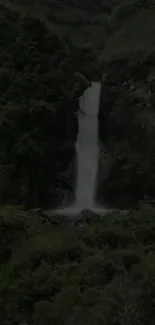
87	153
87	147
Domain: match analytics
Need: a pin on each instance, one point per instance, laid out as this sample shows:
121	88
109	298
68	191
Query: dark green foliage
100	274
74	276
39	84
127	126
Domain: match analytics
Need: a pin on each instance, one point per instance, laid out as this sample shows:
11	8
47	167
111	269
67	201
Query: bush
104	274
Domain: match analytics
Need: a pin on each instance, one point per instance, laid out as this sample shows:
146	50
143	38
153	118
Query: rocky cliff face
127	126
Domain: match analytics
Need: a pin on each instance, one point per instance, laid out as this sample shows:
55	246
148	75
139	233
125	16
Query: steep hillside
83	21
49	53
135	31
101	270
39	88
127	112
67	17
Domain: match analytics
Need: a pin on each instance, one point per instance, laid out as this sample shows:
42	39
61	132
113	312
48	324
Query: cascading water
87	148
87	154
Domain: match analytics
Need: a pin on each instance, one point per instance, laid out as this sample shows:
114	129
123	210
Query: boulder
86	216
52	217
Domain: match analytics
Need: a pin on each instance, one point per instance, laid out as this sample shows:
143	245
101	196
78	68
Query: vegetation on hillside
100	273
50	51
127	105
103	272
132	29
127	126
39	94
43	71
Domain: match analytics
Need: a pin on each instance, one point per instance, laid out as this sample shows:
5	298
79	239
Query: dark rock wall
127	127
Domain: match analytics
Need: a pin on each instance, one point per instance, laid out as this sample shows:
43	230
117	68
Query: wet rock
105	163
67	216
68	178
86	216
52	217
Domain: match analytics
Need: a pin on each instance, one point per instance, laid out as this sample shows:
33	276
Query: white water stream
87	148
87	154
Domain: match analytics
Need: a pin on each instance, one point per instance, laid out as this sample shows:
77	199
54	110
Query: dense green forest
43	71
99	271
127	112
39	89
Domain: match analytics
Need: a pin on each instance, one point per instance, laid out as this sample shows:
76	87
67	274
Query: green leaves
65	276
37	99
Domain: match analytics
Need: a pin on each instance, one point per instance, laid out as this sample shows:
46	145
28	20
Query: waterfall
87	147
87	154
